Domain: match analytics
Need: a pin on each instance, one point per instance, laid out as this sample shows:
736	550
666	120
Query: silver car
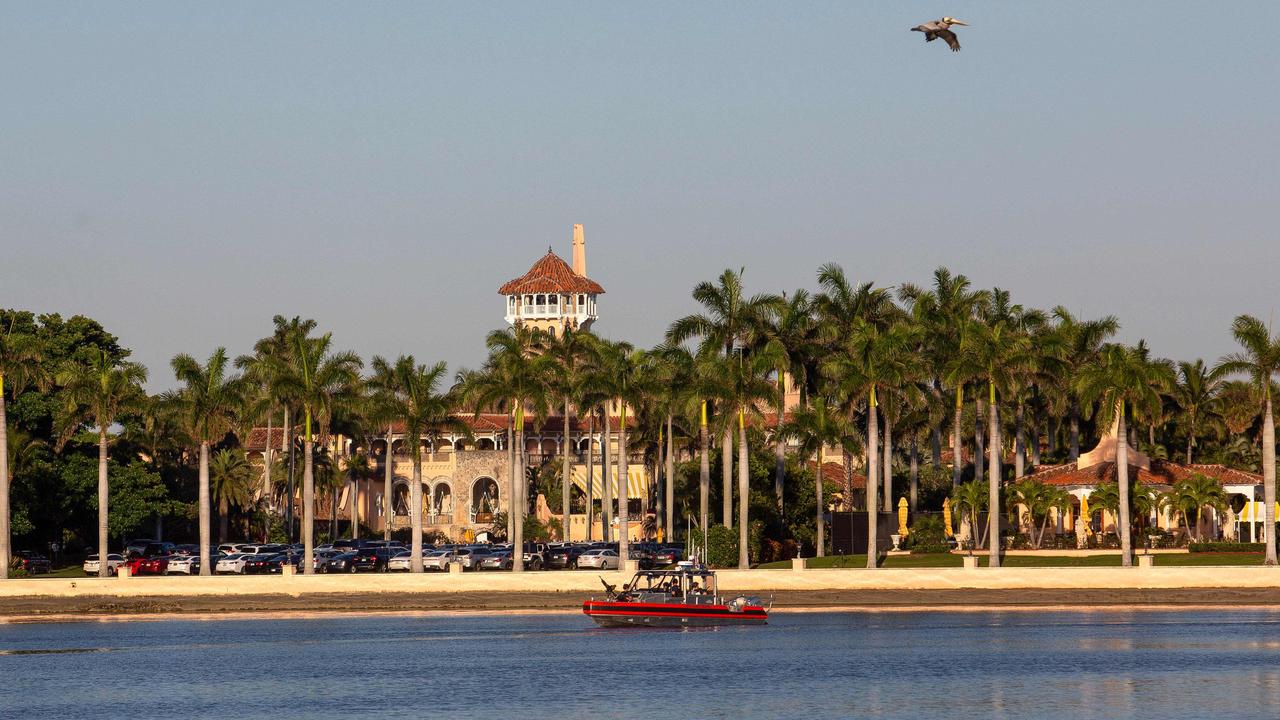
500	560
469	557
114	561
600	559
400	561
438	560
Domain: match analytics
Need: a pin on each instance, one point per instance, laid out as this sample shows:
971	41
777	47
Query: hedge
1226	547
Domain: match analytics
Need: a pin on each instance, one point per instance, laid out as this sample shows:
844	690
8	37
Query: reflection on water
1167	665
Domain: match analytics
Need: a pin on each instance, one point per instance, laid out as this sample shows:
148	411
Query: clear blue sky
184	171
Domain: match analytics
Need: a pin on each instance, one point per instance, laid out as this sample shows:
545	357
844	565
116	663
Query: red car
154	565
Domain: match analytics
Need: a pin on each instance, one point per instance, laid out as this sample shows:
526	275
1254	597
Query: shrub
1241	547
721	546
928	535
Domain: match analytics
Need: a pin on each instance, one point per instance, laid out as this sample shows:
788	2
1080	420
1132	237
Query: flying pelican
941	29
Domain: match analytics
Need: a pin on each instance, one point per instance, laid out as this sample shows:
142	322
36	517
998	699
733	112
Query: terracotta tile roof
1162	472
257	439
833	472
550	274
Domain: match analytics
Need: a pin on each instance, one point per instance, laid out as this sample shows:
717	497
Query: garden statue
1229	525
1082	534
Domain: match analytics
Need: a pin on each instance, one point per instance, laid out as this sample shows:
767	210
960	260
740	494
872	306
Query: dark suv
31	562
373	559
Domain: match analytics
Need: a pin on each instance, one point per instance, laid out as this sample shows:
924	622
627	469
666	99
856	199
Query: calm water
888	665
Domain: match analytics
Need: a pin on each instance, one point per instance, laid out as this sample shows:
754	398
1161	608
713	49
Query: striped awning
637	481
1256	511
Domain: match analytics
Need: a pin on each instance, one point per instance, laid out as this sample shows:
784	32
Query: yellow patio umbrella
946	517
902	517
1084	514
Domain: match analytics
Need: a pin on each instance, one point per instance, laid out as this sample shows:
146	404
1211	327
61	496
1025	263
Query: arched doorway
441	511
484	499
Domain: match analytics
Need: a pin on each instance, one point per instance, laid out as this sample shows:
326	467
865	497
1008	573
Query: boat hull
634	614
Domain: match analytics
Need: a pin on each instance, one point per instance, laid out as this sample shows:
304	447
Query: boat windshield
682	582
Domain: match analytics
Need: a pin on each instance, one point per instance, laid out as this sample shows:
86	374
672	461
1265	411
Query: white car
601	559
399	561
438	560
114	561
182	564
231	564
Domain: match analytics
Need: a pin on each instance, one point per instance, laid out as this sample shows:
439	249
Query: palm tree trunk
1122	477
415	511
980	405
333	511
5	549
1035	439
388	512
1269	476
223	512
624	493
1075	432
887	453
564	475
820	543
355	507
726	474
103	506
935	446
308	505
744	494
206	566
957	442
704	473
779	449
266	460
512	453
1190	441
606	514
1020	444
591	469
915	473
873	462
288	505
993	515
518	499
669	527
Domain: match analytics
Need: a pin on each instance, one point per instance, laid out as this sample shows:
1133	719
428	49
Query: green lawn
949	560
71	571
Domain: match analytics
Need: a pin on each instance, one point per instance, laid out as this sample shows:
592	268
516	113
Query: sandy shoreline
336	605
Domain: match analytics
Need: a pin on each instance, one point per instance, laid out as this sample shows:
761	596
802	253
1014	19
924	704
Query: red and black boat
684	597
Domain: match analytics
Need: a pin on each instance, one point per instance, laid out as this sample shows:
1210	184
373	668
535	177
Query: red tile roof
833	472
550	275
1162	472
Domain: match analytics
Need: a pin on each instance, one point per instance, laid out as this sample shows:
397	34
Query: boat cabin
689	584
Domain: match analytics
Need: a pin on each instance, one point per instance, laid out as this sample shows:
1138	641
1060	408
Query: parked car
342	562
32	562
599	559
258	563
373	559
183	565
114	561
469	557
500	560
666	555
233	563
319	558
148	565
400	561
438	560
151	549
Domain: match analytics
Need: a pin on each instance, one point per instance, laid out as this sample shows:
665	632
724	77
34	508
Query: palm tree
206	408
971	499
358	467
944	312
873	362
1260	360
1122	379
20	356
231	485
790	338
1041	501
516	373
99	391
1082	341
418	402
998	345
748	389
271	367
569	352
319	379
1196	394
815	426
675	390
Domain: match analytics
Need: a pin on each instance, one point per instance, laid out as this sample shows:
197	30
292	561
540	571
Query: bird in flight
941	29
